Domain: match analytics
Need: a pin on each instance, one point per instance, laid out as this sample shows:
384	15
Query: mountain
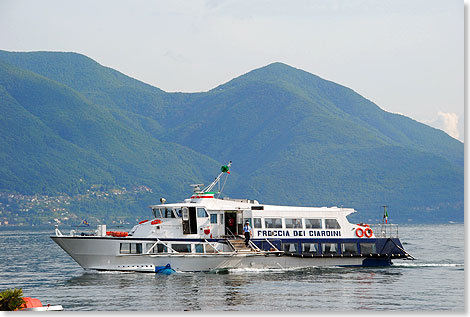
55	140
305	140
294	138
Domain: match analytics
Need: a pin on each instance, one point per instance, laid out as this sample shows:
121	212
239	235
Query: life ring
359	232
368	232
156	222
143	221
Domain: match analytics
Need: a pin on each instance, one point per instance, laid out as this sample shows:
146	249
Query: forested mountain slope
294	138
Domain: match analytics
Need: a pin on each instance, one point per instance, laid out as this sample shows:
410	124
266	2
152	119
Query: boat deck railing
382	230
230	234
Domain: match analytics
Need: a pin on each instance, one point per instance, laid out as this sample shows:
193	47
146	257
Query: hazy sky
407	56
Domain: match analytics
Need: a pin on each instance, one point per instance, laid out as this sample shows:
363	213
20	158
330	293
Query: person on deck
248	232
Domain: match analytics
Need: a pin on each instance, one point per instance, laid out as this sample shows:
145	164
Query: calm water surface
435	281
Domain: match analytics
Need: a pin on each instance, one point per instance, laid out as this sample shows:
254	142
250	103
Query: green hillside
298	139
54	140
294	139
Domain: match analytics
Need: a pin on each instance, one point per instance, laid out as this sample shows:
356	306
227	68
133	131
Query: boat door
189	220
231	223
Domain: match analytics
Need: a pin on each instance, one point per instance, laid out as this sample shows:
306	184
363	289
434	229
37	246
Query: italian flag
385	215
203	195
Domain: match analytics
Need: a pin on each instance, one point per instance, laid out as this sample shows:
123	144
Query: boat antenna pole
224	169
223	186
385	217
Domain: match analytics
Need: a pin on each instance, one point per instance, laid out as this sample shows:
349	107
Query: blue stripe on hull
386	248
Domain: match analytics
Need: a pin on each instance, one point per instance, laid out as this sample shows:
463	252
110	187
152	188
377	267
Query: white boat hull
103	254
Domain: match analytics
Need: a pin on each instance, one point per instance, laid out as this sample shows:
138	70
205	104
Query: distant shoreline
93	227
51	227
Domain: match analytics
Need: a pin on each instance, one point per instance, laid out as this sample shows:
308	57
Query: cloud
447	121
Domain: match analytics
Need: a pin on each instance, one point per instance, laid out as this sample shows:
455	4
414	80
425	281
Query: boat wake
280	270
328	268
413	265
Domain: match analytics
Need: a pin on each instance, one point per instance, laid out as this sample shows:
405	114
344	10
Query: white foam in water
280	270
411	264
253	270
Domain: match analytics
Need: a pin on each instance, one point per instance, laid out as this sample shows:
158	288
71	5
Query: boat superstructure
203	233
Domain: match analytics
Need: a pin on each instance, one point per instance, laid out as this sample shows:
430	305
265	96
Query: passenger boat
204	233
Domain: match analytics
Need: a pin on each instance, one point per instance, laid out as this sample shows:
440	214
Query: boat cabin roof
257	209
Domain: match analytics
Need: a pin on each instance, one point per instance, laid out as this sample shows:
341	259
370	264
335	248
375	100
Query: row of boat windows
296	223
304	248
329	248
176	212
152	248
288	223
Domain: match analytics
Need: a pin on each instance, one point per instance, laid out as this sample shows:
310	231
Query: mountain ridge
294	137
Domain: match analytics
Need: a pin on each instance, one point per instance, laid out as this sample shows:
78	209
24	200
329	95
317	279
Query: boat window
349	248
213	218
293	223
136	248
149	246
329	248
290	247
272	223
313	223
310	248
185	213
221	218
161	248
368	248
125	248
167	213
158	248
332	224
156	213
177	212
210	248
131	248
257	222
182	248
201	213
199	248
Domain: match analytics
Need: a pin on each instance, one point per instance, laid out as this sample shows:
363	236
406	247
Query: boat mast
224	169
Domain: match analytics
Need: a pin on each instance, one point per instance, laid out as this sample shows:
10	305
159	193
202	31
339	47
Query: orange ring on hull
361	234
368	232
156	222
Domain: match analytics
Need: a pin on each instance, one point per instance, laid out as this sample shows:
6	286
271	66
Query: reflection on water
256	290
232	295
434	282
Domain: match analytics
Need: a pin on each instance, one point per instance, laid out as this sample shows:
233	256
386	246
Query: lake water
434	282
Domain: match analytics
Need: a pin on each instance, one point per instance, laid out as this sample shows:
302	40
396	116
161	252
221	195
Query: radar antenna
196	187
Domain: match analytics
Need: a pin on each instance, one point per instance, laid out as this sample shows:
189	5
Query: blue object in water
164	269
